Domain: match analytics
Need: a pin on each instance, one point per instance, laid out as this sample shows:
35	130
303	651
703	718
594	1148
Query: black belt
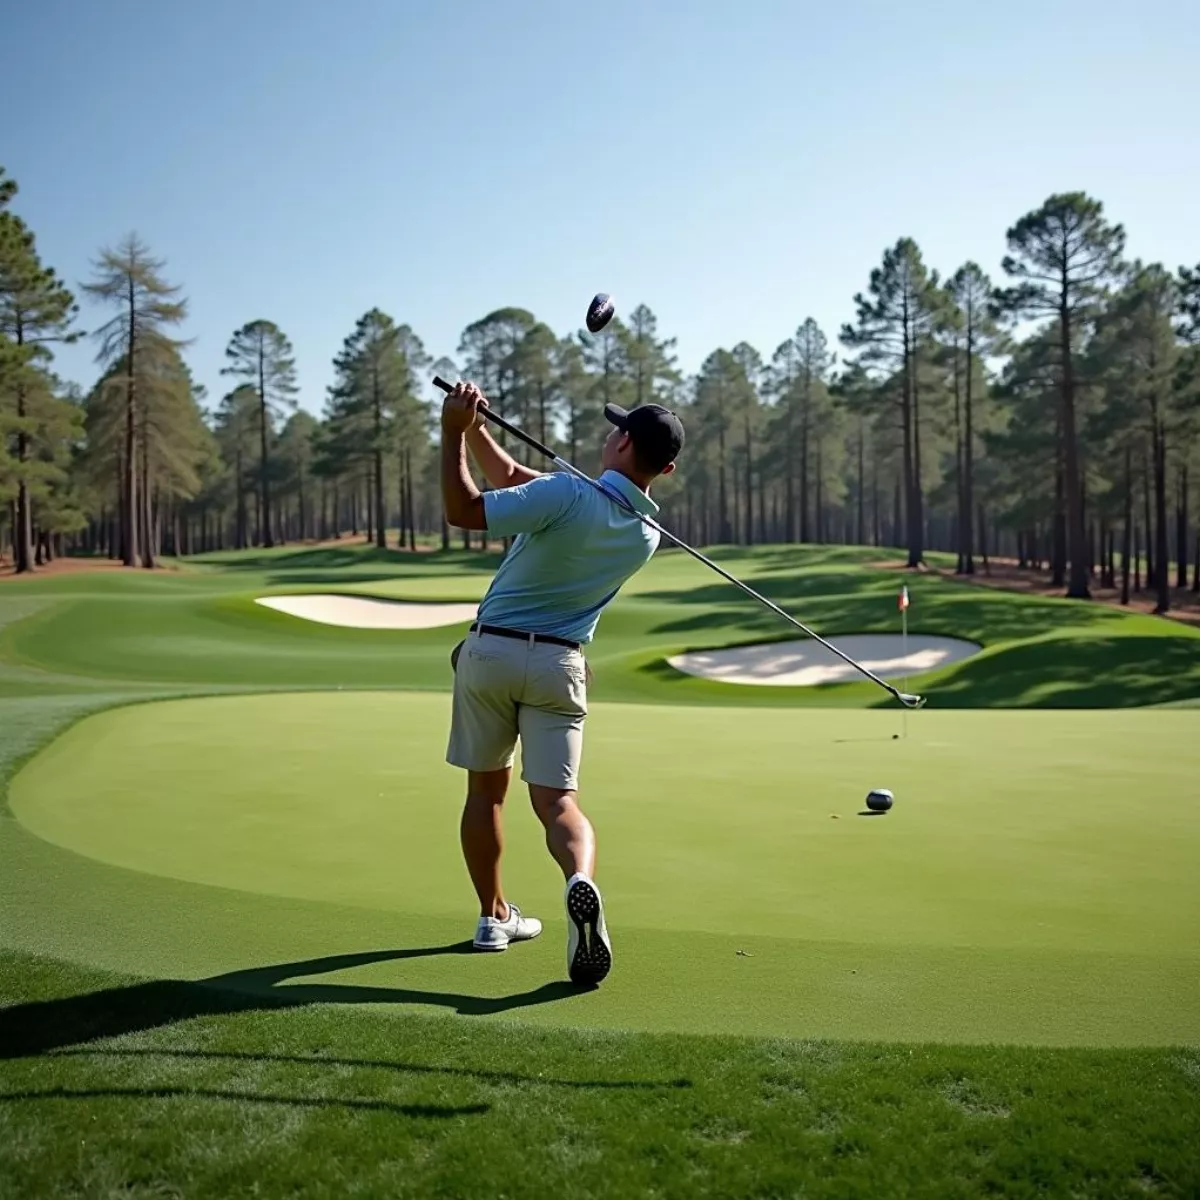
500	631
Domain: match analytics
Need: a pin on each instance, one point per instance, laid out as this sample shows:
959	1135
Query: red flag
904	597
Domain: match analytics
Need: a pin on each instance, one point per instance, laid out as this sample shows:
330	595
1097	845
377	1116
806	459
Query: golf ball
879	799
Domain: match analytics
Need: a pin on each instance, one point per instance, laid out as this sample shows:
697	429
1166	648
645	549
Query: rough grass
317	1101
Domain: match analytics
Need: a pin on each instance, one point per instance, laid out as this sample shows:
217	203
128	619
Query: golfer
520	673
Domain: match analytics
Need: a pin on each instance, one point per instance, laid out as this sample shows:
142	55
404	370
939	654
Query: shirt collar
630	491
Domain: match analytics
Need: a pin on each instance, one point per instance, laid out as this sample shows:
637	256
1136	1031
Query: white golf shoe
493	934
589	952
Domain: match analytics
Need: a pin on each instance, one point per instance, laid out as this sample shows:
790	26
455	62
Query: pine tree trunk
805	525
412	507
129	547
969	454
380	532
861	498
820	504
23	514
1151	564
402	496
749	486
1127	533
961	525
722	495
1059	550
1181	524
265	528
1077	588
149	542
916	512
876	514
1162	554
789	479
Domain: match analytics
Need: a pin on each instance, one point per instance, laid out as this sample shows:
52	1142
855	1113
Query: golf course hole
806	663
369	612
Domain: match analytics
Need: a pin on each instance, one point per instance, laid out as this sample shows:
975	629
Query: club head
910	701
600	312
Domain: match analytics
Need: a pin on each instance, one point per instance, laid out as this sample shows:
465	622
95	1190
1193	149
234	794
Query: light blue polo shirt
574	549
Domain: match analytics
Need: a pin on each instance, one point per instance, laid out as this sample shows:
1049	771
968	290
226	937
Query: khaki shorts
505	689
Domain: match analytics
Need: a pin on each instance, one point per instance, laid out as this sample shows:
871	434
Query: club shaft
653	524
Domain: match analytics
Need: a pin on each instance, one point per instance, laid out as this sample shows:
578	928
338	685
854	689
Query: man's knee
549	802
488	787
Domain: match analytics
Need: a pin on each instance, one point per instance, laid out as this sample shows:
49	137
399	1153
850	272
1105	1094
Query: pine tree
894	323
749	415
260	354
649	358
130	280
1136	343
236	431
970	293
1062	255
36	311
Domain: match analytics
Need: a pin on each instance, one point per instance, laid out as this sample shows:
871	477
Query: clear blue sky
738	166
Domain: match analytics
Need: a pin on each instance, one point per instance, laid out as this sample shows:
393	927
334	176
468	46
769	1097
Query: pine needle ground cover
232	915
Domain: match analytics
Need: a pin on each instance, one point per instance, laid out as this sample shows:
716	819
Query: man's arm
499	467
460	497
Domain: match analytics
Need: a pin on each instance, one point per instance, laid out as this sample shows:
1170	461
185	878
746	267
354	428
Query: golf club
909	701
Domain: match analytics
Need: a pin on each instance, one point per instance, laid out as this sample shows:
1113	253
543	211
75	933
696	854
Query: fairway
1031	884
231	894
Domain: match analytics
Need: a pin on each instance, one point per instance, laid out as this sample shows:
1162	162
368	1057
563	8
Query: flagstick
904	638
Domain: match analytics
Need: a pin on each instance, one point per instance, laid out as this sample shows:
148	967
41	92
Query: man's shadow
43	1026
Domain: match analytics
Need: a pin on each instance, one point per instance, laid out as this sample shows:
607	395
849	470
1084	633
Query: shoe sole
592	959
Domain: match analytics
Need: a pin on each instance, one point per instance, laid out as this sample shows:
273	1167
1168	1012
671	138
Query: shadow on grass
1083	672
342	558
403	1068
435	1111
52	1027
39	1027
833	604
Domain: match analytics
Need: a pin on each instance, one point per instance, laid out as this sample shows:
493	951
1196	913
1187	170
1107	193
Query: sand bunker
370	612
806	663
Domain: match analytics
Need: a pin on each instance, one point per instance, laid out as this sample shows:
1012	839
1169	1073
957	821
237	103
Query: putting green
1036	881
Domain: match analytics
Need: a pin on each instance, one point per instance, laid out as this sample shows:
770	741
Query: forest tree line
1046	412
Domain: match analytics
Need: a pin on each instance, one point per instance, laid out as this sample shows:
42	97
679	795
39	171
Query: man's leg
481	831
483	739
569	834
551	721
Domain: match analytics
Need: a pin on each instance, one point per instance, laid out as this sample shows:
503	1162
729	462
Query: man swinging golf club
520	673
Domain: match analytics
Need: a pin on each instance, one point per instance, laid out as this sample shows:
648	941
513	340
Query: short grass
1030	885
231	930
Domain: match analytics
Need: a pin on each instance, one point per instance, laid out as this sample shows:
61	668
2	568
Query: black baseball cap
656	431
